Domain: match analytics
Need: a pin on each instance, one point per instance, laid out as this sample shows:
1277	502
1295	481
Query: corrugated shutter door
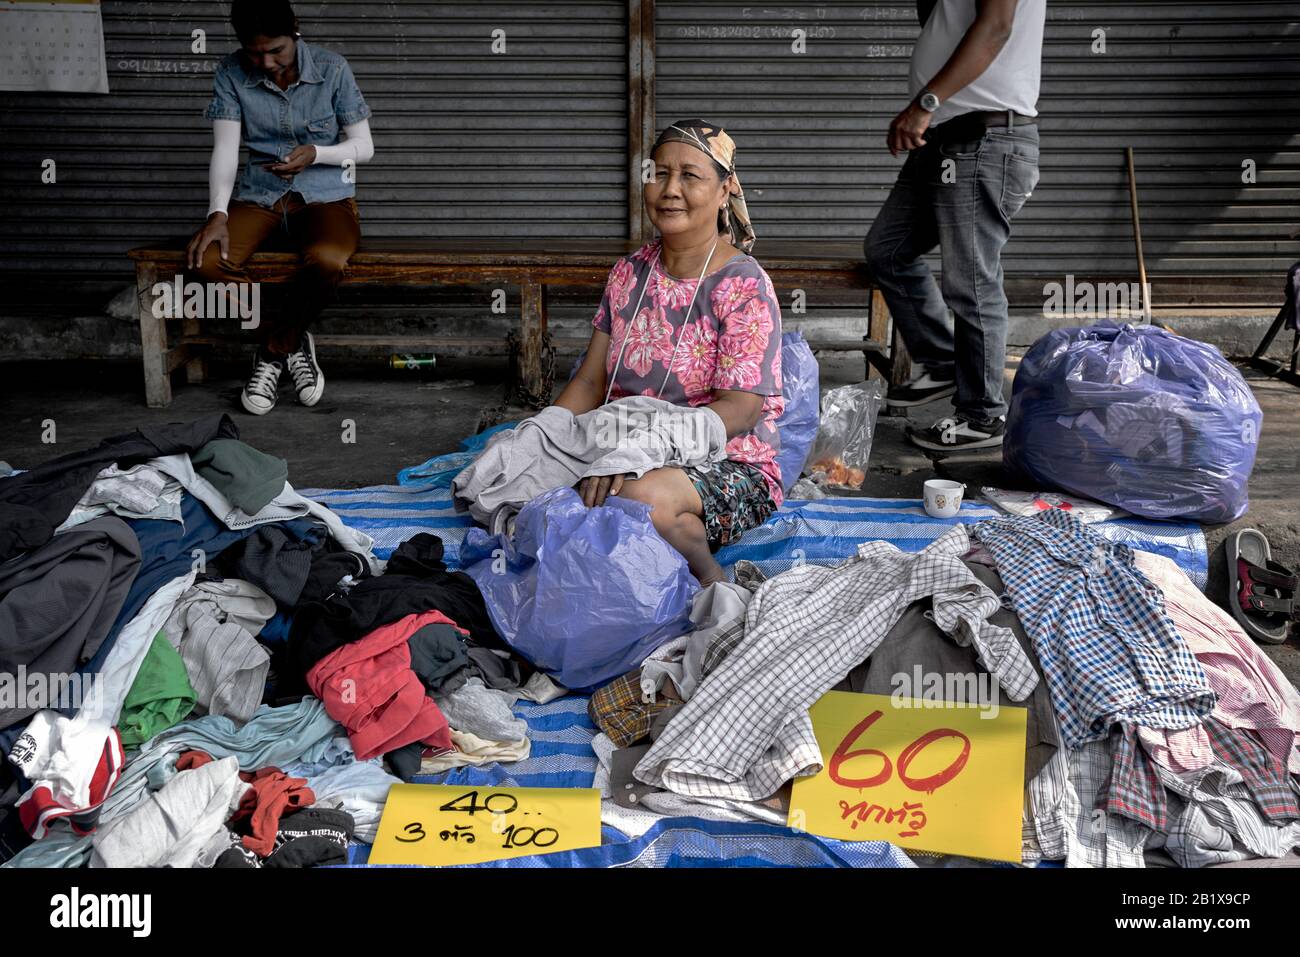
527	143
1195	89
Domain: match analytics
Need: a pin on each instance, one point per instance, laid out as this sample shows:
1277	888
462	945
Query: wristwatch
927	100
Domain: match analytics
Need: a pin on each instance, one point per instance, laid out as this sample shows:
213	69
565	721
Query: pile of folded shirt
1145	701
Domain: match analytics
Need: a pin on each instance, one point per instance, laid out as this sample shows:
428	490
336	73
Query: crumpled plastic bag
848	421
1138	417
585	594
438	471
800	384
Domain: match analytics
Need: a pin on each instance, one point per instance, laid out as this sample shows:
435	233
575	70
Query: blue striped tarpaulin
562	757
823	531
820	531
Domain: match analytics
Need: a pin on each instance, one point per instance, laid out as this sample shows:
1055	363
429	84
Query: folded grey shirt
482	712
213	626
556	449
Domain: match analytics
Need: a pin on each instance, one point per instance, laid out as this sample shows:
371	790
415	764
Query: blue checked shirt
312	111
1108	651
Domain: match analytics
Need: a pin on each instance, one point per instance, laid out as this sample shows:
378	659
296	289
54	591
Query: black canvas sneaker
263	386
955	433
919	390
308	380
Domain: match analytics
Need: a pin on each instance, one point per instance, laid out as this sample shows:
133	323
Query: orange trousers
325	235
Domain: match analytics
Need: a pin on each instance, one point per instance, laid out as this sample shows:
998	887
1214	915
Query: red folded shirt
369	687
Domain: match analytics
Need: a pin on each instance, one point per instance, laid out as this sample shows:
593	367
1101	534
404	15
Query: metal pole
1137	235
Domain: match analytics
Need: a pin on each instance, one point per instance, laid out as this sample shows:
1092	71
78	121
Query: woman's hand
596	489
213	231
294	163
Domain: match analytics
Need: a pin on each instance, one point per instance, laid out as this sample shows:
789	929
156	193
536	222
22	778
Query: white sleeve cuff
357	146
224	165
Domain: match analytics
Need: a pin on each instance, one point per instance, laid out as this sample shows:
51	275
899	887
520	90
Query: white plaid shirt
1108	651
1213	819
746	730
1063	817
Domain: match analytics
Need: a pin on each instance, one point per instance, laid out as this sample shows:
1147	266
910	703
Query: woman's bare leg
678	515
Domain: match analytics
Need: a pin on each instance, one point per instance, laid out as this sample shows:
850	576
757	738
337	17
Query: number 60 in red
929	784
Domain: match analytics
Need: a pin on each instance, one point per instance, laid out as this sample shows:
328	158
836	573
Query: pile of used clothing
1149	709
201	667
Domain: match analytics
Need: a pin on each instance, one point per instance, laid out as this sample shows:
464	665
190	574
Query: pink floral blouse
732	341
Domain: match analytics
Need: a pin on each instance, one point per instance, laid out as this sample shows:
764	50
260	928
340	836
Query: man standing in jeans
972	162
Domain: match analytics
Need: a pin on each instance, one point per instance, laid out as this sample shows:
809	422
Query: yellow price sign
453	824
946	779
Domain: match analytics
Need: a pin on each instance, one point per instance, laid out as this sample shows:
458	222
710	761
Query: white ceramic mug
943	498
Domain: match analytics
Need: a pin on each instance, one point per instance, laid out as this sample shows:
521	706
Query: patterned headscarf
715	141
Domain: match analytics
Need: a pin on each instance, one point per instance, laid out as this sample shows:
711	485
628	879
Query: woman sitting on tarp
692	318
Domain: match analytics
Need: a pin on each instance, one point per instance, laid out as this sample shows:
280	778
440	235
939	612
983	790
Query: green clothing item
160	697
247	477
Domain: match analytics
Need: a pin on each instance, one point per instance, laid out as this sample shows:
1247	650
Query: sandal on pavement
1261	592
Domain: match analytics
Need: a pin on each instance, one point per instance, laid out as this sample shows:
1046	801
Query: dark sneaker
954	434
308	380
919	390
263	386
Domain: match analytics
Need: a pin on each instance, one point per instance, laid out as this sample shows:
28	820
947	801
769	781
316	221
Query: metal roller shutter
468	143
1195	89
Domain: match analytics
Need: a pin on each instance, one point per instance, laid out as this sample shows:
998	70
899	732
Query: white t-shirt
1011	80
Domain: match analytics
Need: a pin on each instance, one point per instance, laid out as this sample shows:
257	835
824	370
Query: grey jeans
960	196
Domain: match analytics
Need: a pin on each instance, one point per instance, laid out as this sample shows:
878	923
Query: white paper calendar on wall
55	46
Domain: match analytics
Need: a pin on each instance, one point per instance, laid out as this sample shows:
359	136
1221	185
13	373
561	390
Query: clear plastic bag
804	489
798	423
848	422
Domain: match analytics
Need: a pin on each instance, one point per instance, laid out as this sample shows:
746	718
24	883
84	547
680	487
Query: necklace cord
636	312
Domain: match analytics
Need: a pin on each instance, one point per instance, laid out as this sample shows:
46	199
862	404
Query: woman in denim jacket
304	119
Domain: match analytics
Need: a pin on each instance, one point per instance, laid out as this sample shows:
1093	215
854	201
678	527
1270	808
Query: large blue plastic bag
1137	417
800	383
585	594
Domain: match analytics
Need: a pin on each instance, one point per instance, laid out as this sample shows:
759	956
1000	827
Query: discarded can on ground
407	361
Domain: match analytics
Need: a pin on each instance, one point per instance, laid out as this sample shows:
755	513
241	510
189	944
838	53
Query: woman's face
686	193
274	56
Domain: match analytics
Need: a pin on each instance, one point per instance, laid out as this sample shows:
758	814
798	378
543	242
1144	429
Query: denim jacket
312	111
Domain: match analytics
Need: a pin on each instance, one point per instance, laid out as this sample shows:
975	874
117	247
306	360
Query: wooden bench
543	263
